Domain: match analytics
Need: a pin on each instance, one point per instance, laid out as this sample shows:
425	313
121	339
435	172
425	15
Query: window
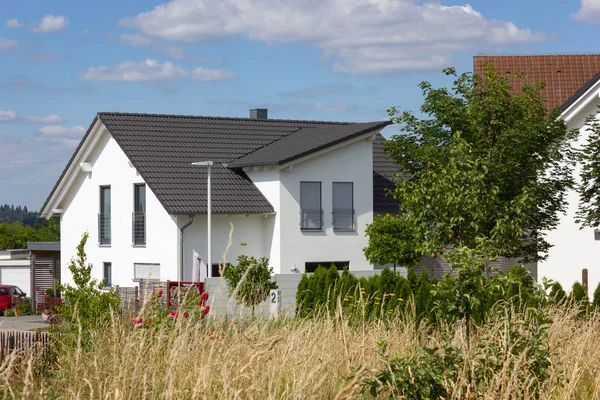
107	274
215	270
139	214
312	266
104	216
146	271
343	206
311	213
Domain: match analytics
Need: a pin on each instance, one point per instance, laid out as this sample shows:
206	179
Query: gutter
191	216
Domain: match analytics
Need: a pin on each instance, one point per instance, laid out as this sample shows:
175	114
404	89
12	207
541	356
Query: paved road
24	323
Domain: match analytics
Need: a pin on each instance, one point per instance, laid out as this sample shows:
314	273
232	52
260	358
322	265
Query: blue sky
61	62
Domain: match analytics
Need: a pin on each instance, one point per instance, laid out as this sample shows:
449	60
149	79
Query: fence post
275	303
584	280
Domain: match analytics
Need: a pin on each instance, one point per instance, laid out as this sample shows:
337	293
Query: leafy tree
488	169
391	241
86	305
596	300
249	282
16	235
588	213
557	293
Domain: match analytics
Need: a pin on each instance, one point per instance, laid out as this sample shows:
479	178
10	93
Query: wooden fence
23	342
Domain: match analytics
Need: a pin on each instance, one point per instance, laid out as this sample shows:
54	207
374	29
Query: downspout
181	246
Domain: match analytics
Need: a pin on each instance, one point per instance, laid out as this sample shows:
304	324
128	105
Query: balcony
104	233
138	228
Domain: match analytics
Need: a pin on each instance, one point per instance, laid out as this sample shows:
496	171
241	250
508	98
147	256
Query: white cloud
57	130
48	119
138	40
7	115
51	23
13	23
589	12
130	71
13	117
7	44
360	36
205	75
152	71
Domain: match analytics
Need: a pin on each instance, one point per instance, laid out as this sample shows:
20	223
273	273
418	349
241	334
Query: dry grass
286	359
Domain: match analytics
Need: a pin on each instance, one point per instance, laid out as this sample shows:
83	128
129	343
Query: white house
572	85
297	192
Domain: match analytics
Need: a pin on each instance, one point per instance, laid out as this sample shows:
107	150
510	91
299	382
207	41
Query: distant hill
11	214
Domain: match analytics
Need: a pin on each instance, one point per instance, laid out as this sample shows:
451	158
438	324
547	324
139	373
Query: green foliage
86	305
16	235
391	241
596	299
588	213
11	214
484	164
557	293
249	282
24	306
579	296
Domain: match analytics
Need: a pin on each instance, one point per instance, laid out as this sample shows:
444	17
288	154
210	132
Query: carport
45	269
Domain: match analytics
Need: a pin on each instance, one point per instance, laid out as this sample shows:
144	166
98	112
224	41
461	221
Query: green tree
249	282
588	213
557	293
596	299
391	241
488	169
87	305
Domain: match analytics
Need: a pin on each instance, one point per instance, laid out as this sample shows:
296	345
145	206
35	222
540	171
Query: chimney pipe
258	113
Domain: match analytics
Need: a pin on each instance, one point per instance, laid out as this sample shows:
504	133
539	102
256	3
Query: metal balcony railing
343	219
104	233
311	219
138	224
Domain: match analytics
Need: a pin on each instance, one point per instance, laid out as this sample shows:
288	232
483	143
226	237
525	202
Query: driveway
23	323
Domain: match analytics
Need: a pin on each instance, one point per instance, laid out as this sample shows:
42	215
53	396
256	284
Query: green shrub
249	282
596	300
86	305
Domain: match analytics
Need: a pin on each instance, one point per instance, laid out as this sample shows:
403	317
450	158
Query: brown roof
564	74
162	148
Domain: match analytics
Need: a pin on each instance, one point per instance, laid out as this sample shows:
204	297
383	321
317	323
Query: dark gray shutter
343	206
310	205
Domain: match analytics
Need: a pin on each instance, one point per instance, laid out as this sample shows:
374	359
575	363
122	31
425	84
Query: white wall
350	163
247	238
573	248
81	207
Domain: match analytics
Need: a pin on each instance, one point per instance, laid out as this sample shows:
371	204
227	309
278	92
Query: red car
9	296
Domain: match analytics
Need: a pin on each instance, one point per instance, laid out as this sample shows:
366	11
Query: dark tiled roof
305	141
384	173
586	86
564	74
162	148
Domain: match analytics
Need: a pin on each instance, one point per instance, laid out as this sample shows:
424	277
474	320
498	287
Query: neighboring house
297	192
15	269
572	85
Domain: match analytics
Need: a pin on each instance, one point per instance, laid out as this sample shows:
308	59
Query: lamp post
208	212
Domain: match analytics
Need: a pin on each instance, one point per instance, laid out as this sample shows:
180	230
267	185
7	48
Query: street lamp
208	212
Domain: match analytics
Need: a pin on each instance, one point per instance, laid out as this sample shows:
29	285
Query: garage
15	269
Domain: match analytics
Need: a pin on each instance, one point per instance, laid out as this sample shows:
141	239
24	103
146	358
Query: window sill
137	280
139	245
311	230
104	245
344	230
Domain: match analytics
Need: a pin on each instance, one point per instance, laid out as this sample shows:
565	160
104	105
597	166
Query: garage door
18	276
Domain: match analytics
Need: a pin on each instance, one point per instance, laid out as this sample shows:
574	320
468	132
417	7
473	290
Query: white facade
101	162
81	205
573	248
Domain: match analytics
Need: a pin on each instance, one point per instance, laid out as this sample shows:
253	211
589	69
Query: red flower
173	314
204	297
186	315
137	299
137	322
228	322
148	320
204	310
158	294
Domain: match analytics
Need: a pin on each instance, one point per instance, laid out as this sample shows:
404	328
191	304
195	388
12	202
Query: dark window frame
104	218
351	210
304	225
107	276
138	218
311	266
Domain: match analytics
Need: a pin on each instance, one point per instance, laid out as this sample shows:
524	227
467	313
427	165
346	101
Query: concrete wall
110	166
574	248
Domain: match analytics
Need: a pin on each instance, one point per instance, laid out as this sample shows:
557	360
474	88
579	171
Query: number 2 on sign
273	297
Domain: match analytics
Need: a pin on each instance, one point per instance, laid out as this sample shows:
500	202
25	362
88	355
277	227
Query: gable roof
564	74
162	148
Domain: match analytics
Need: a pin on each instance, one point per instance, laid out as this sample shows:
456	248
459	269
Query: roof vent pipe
258	113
